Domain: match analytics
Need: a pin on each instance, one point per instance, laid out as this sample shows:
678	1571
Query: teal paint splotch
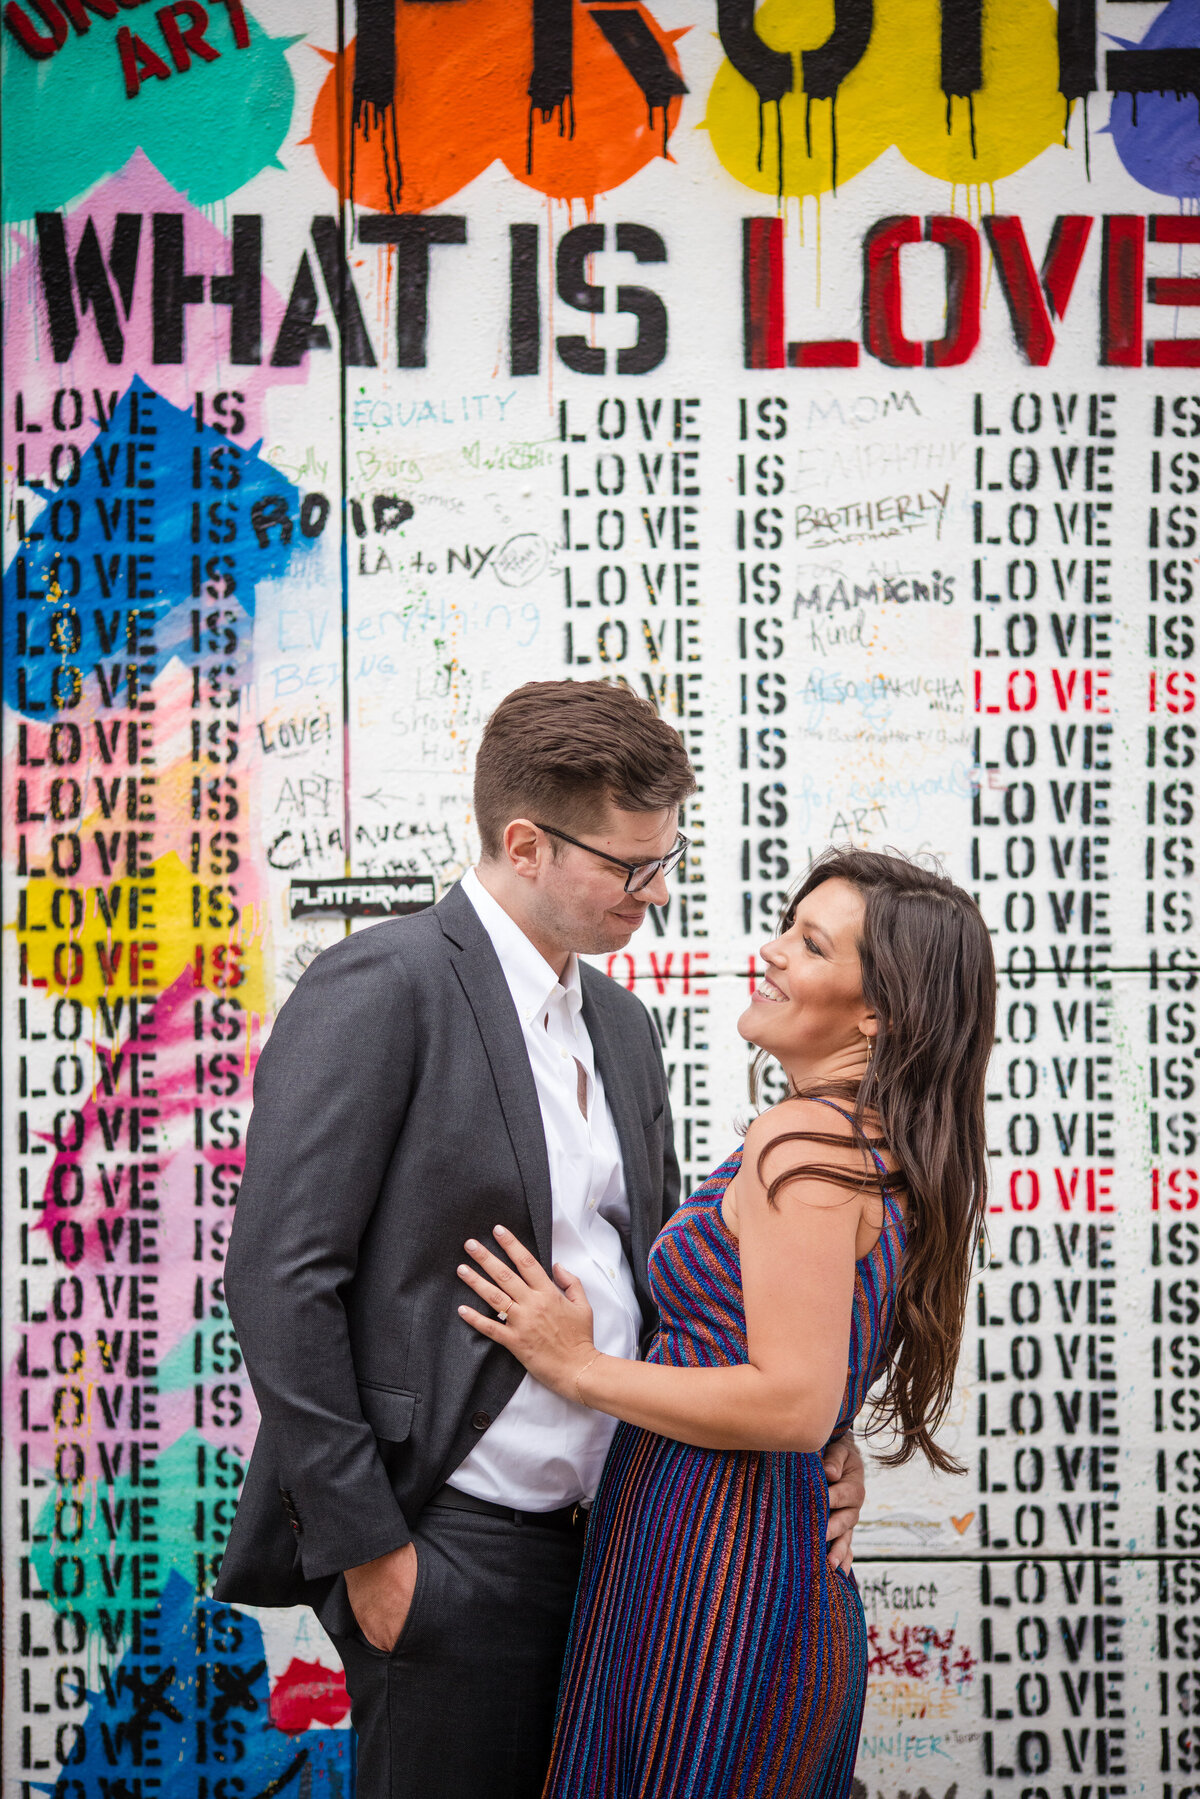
147	1524
68	122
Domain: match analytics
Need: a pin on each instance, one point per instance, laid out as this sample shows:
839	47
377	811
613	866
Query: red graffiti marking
919	1652
307	1693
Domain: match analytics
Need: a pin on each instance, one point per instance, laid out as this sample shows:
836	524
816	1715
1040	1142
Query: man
428	1079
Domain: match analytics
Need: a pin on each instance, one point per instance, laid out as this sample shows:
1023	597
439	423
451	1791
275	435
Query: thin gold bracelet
580	1376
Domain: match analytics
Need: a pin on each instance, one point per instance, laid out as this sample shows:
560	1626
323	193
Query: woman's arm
798	1281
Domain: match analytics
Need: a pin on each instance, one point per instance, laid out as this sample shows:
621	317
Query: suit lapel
481	977
614	1071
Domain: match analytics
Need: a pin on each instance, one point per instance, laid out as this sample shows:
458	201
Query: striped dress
713	1655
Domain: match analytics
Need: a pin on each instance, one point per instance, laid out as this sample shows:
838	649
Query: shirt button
481	1420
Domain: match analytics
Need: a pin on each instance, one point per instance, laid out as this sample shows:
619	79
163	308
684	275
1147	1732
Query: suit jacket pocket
388	1410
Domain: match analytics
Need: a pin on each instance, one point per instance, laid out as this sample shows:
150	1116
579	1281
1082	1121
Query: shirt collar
531	980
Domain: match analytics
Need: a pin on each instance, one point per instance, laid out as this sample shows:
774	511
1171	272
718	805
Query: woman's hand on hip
547	1324
846	1475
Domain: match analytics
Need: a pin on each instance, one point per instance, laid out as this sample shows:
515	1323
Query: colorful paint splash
191	1692
101	371
148	523
207	129
804	145
467	99
1157	135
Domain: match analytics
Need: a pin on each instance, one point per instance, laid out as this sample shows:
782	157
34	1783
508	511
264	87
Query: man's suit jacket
395	1115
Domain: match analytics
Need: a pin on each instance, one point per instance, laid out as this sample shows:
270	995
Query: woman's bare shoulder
779	1141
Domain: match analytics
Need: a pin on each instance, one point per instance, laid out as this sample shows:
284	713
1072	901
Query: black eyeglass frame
663	864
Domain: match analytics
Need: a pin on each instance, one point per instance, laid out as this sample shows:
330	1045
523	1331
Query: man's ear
525	848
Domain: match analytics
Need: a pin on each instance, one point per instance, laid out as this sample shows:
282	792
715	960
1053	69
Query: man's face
578	901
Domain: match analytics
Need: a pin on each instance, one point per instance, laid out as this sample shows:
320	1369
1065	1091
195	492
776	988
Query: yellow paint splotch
893	97
135	937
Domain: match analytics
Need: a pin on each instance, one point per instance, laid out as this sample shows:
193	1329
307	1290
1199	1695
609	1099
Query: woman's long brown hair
929	976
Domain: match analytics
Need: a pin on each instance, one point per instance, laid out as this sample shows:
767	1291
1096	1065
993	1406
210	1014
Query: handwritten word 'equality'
897	513
383	415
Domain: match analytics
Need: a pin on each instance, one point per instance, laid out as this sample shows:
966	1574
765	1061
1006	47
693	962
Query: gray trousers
463	1707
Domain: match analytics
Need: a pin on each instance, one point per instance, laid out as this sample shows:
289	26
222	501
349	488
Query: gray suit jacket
395	1114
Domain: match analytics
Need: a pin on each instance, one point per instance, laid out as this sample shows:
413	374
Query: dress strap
854	1125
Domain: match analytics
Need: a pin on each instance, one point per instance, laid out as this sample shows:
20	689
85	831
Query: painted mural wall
830	374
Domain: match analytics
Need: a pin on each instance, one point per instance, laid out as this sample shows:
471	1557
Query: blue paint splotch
186	1712
165	518
1161	150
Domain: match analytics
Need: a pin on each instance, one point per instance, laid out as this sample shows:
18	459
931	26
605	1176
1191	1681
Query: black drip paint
779	147
1076	48
644	57
566	124
362	119
1066	123
825	68
768	71
375	55
1171	71
374	100
551	83
962	48
1087	141
808	125
353	222
970	100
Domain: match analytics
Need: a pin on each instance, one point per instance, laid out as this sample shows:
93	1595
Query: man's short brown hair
558	751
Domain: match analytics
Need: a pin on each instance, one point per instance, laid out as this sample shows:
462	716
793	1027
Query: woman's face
808	1010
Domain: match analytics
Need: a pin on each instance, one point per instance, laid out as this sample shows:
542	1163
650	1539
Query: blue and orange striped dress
713	1655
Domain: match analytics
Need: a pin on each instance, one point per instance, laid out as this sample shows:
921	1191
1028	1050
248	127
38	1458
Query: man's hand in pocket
381	1594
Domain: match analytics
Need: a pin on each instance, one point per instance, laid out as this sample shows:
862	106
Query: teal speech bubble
209	129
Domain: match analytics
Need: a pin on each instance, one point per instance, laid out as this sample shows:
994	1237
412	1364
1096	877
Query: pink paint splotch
138	188
137	1256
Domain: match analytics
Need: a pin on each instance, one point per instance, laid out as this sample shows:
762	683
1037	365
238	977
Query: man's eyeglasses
637	874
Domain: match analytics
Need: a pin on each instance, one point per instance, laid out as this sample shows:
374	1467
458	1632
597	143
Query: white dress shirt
543	1452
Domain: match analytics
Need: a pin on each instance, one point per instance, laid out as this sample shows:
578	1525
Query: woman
713	1652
